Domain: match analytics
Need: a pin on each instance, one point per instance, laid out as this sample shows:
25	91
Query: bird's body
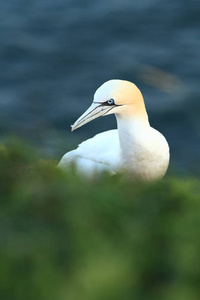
90	158
135	148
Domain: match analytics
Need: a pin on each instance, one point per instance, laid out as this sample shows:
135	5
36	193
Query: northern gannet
134	148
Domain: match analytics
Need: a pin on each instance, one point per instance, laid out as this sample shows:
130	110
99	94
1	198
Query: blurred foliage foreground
66	238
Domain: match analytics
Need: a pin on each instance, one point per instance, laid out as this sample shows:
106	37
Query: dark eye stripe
107	104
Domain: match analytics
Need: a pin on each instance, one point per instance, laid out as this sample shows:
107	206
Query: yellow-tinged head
122	91
120	97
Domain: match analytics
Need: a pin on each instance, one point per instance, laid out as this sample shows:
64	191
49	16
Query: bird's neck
132	131
131	124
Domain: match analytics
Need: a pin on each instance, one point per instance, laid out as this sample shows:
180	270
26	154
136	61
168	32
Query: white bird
134	148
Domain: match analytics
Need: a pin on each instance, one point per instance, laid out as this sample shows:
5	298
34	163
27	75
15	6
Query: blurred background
54	54
60	236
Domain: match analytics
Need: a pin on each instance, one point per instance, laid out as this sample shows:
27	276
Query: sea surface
54	54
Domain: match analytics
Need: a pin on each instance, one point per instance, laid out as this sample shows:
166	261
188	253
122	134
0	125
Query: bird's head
120	97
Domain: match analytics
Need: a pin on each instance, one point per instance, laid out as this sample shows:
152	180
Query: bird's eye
110	102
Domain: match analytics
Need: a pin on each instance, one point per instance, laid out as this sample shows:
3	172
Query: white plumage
135	148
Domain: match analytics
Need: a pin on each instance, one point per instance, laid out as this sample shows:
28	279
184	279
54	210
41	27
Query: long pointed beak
94	111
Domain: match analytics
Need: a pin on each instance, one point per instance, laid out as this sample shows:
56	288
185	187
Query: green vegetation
65	238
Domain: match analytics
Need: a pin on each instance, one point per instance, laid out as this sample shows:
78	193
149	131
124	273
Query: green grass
65	238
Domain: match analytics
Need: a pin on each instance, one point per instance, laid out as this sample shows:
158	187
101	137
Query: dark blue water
54	54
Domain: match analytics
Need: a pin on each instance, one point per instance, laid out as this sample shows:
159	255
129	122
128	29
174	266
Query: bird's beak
94	111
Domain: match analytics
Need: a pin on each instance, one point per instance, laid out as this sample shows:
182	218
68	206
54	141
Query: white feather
134	148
